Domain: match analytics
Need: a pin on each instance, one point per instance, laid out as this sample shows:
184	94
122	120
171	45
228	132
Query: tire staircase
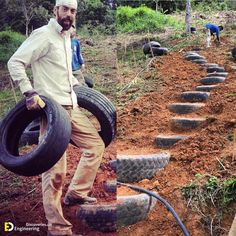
133	168
190	102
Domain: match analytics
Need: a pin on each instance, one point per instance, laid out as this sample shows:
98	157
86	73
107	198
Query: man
78	62
211	30
77	58
48	51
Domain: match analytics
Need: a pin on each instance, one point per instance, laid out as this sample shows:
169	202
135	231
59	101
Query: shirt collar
53	23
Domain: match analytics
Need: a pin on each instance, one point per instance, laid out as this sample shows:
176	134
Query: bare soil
147	116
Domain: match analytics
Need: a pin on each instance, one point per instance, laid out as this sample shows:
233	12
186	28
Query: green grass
211	197
7	101
9	42
132	57
143	19
230	95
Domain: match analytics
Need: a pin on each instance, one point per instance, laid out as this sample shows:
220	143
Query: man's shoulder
41	30
208	25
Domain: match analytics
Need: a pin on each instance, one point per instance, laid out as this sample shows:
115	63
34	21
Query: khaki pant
232	231
87	138
79	76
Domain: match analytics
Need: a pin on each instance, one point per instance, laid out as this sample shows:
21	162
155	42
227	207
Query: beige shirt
48	51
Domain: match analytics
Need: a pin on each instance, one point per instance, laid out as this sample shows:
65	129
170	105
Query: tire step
212	80
199	61
206	88
109	217
194	57
215	69
113	165
133	168
220	74
158	51
148	46
184	108
207	65
167	141
110	186
186	124
191	53
195	96
134	208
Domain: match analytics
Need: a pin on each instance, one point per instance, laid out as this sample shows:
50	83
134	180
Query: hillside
205	152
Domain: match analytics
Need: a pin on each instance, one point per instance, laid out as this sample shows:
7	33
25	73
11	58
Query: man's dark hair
221	27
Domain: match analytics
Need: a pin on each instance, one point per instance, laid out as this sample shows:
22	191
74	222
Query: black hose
163	201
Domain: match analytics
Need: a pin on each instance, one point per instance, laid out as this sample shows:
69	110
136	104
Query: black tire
98	217
102	108
199	61
89	81
113	165
107	218
233	52
30	135
193	30
147	47
194	57
133	168
110	186
49	150
215	69
160	51
94	102
134	208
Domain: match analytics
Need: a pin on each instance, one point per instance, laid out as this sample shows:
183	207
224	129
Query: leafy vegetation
177	5
209	5
7	100
9	42
210	196
143	19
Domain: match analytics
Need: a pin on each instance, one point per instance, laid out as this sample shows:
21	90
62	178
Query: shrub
210	5
9	42
143	19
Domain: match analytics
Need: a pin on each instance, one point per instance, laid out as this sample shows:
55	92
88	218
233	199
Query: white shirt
48	51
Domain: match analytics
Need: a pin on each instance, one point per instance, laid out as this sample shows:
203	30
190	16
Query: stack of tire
233	52
128	209
21	127
88	80
153	49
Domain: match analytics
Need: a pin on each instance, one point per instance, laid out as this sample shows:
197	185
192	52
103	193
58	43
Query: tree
188	16
3	16
93	12
29	9
22	15
156	2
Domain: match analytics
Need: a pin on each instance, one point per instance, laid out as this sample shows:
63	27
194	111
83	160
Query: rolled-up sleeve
30	50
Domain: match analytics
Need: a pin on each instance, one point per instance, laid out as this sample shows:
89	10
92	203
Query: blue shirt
77	59
213	29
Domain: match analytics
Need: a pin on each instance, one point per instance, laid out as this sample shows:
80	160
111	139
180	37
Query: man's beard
66	22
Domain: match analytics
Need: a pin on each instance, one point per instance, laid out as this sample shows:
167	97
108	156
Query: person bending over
211	31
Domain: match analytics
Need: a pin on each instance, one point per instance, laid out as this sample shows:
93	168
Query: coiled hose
163	201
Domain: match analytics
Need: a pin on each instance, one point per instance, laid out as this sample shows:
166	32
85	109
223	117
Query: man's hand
33	100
